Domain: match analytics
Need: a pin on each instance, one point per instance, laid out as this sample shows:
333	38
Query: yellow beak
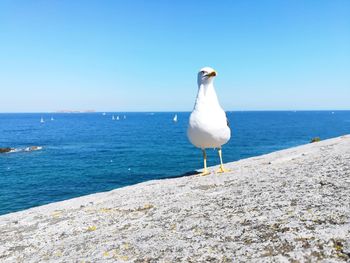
212	74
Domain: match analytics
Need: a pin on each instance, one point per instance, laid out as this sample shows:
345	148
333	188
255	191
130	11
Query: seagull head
206	75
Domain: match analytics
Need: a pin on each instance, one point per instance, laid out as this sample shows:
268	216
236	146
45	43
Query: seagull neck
206	94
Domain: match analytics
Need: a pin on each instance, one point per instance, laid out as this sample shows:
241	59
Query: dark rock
5	150
315	139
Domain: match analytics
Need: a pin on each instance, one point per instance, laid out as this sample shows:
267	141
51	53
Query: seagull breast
208	123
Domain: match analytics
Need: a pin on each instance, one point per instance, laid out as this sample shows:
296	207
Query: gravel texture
287	206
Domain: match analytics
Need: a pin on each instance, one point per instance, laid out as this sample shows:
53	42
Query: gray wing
228	123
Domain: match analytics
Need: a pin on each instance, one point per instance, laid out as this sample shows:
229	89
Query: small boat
52	118
118	118
113	118
175	118
103	113
124	117
42	120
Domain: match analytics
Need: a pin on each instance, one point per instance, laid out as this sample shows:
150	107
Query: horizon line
158	111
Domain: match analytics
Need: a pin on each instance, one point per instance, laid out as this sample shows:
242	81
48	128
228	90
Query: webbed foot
222	169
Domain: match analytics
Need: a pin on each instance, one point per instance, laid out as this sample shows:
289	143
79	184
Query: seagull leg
221	169
205	170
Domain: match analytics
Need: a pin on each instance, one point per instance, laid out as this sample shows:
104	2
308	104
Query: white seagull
208	126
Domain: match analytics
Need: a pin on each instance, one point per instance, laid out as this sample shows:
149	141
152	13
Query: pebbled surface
287	206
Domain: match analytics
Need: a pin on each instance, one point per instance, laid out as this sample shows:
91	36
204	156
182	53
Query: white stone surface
287	206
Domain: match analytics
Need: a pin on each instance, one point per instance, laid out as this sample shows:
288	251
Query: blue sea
89	153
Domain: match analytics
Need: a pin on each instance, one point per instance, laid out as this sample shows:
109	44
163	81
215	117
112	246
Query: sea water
89	153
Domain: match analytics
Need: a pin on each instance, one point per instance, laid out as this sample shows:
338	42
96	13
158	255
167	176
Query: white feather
207	124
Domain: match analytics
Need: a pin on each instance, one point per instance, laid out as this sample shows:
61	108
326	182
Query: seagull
208	126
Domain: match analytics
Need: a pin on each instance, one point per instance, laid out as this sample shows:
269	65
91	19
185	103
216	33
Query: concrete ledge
290	205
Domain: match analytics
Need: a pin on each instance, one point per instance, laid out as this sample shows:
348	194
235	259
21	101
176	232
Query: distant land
75	111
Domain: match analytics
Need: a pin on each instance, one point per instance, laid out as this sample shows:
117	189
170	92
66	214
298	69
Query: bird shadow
183	175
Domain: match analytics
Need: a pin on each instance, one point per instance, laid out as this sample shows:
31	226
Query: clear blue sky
144	55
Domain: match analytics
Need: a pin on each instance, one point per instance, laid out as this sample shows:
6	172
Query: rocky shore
25	149
287	206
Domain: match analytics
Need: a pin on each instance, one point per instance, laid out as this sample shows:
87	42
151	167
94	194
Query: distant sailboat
118	118
52	118
113	117
175	118
42	120
124	117
103	113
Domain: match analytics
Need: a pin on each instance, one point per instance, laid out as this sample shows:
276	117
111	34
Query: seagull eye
203	72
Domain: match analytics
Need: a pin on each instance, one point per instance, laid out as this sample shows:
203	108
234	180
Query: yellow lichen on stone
126	246
58	253
225	259
140	209
198	231
148	206
91	228
338	248
338	245
106	254
56	214
105	210
125	258
173	227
